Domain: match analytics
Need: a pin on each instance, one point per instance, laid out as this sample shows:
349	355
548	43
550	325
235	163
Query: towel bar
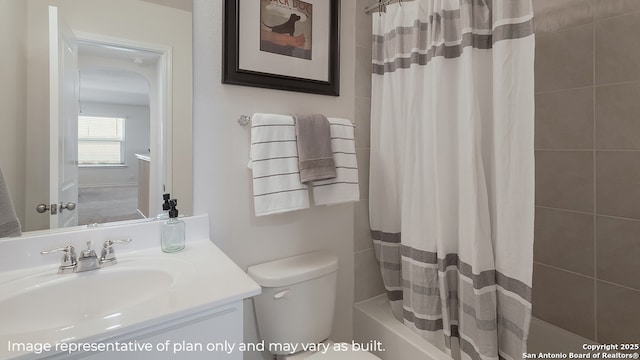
244	120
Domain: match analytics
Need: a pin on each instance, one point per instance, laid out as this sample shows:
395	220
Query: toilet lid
343	355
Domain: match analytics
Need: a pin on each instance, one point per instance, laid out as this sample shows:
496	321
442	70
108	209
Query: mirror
144	49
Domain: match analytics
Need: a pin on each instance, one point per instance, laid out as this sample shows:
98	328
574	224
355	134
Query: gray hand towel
313	136
9	223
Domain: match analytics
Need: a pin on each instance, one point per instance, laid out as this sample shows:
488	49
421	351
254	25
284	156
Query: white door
63	108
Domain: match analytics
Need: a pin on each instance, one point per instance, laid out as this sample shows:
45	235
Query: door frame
161	136
62	42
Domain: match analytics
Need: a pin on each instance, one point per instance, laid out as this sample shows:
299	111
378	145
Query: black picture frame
233	74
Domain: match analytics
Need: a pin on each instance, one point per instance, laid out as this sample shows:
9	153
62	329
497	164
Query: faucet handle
68	248
69	259
109	243
108	256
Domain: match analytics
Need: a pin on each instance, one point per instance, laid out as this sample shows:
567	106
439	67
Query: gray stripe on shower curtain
446	33
404	43
420	272
390	258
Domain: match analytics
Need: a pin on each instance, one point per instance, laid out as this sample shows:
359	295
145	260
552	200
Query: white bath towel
274	160
344	188
9	223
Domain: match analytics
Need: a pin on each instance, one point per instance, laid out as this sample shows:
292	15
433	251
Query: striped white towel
344	188
274	160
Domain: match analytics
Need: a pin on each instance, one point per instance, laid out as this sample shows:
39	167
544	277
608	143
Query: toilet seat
343	355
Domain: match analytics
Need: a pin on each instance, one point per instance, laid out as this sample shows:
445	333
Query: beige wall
222	184
586	273
125	19
13	73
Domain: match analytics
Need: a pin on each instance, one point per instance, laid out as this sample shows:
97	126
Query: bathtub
373	320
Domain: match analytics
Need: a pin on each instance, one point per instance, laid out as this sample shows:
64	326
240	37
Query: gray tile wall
368	282
587	232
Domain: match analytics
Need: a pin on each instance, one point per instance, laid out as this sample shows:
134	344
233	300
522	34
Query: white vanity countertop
145	288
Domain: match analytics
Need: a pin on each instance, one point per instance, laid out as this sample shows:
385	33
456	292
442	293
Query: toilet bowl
297	304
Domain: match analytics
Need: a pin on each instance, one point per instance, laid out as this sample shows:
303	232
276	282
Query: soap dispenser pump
173	230
164	215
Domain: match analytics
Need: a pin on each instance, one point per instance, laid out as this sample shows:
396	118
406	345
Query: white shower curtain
452	170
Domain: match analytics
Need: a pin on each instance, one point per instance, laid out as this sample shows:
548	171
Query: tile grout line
614	16
563	270
544	33
566	210
551	91
617	83
618	285
594	21
587	213
585	276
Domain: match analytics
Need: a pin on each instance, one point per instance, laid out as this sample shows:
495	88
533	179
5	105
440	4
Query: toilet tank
297	300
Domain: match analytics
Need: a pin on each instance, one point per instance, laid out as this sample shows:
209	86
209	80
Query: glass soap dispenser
173	230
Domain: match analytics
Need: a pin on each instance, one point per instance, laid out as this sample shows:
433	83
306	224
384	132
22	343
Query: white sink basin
73	298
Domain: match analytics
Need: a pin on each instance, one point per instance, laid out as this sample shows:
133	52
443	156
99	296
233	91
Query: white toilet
296	305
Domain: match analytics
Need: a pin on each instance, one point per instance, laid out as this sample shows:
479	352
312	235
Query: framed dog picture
282	44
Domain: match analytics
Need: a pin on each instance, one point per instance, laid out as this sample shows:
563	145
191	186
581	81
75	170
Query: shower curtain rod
380	6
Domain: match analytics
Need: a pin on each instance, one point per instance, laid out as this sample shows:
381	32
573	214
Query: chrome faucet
88	259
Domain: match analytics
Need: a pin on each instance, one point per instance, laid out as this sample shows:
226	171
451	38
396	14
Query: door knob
69	206
42	208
